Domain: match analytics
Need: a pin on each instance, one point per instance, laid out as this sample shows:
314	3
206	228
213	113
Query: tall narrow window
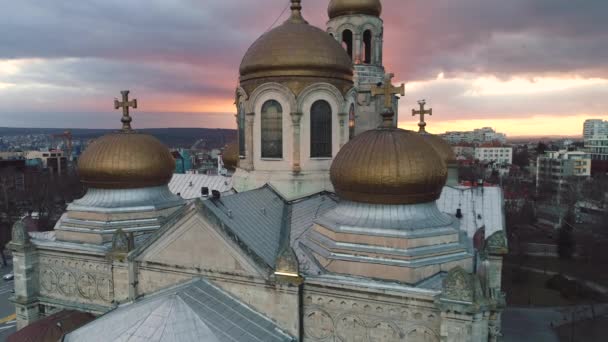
272	130
367	47
241	121
351	122
320	130
347	42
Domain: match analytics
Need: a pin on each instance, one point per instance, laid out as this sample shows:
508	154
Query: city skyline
515	66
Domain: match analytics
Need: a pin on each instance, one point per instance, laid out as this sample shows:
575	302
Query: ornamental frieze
329	319
85	281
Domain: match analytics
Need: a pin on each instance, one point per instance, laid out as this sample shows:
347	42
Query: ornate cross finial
388	90
125	104
422	112
296	12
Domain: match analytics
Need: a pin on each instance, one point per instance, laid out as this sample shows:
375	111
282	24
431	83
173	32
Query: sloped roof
195	311
52	328
257	217
480	207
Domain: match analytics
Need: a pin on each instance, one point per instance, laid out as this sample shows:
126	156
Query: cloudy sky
525	67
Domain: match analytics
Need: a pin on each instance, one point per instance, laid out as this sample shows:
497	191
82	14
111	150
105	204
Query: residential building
555	168
477	136
597	147
594	127
498	154
53	160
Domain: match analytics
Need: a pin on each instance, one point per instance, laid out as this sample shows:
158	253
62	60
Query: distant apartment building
477	136
555	168
594	127
53	160
464	151
595	133
494	153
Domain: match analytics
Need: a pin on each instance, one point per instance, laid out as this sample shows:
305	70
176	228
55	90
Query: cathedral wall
81	281
341	313
278	302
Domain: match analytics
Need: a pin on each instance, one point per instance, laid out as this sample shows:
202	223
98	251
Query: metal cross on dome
125	104
422	112
388	90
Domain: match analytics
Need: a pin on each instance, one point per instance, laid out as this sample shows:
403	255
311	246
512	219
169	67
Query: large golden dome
125	160
344	7
442	148
296	49
388	166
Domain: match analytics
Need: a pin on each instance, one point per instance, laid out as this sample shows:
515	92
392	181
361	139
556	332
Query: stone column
25	269
247	163
296	118
357	42
378	51
342	117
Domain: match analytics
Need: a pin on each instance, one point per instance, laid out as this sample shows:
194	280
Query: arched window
351	122
367	47
272	130
347	42
320	130
241	122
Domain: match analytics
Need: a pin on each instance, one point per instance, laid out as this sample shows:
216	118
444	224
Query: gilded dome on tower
388	166
344	7
126	159
296	49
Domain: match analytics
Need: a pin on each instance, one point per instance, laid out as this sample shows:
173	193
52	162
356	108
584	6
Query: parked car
8	277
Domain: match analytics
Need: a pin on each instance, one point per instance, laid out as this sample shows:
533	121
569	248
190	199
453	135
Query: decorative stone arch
324	88
260	91
346	26
421	333
350	98
240	95
383	330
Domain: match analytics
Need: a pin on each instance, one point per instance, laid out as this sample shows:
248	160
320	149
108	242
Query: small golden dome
442	148
126	160
230	156
344	7
296	49
388	166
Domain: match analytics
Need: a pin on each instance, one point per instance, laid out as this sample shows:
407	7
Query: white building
496	154
477	136
594	127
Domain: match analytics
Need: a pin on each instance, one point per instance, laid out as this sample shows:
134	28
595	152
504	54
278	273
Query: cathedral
340	227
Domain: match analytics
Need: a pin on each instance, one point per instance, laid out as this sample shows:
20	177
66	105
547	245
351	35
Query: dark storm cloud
497	37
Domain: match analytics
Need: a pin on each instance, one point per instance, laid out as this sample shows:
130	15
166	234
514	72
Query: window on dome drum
367	47
272	130
320	130
241	120
351	122
347	42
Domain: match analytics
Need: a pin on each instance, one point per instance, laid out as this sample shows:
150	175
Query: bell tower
357	26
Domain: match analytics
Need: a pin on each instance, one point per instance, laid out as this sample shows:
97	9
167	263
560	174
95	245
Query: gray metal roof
480	207
195	311
189	185
256	217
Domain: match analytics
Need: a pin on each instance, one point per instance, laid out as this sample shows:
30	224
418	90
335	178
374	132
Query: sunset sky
524	67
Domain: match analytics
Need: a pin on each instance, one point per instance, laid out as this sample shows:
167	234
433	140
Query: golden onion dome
296	49
230	156
442	148
388	166
126	160
344	7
